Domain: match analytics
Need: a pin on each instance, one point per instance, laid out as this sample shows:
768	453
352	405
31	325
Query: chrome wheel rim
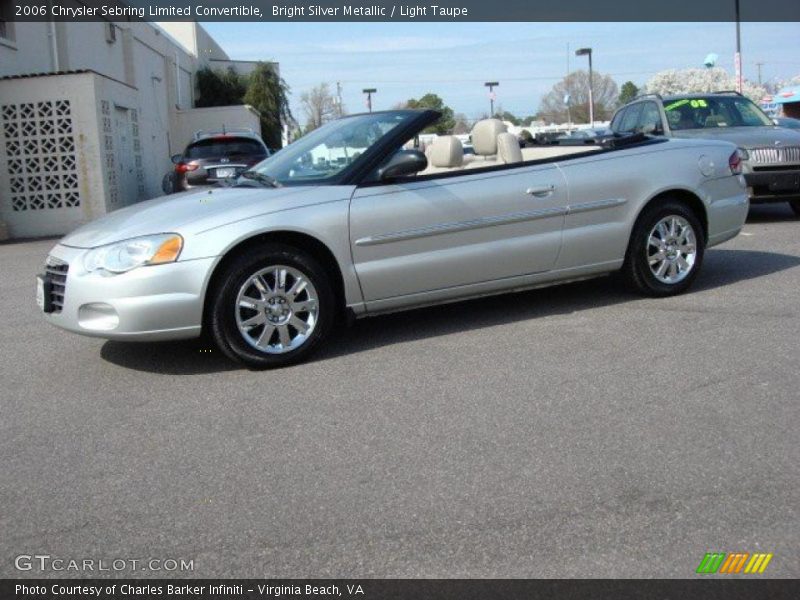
276	309
671	249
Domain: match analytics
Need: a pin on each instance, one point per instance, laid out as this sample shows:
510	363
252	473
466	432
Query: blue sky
405	60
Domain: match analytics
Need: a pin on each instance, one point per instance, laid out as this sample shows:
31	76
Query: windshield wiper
260	178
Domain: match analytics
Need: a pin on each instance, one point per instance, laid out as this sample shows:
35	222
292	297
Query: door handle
541	191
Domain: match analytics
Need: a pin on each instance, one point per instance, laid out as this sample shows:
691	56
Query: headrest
484	136
508	149
446	151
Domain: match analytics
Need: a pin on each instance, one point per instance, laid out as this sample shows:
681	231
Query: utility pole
738	58
566	96
759	65
491	85
339	111
369	92
588	52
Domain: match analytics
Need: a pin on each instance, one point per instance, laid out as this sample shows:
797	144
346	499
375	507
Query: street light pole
738	58
491	85
369	92
588	52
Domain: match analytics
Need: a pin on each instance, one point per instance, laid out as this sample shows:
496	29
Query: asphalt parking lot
576	431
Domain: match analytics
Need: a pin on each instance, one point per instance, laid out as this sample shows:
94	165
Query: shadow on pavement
185	357
777	212
721	268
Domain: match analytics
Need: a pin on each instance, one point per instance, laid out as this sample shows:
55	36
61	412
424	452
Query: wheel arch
685	195
302	241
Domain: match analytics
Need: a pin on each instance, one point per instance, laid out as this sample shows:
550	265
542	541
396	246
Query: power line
477	79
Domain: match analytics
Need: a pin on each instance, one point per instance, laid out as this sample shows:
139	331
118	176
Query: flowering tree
777	85
693	81
604	91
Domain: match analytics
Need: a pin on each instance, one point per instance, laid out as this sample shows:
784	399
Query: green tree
220	88
628	92
444	125
507	116
267	92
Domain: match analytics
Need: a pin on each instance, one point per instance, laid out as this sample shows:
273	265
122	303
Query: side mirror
404	162
176	158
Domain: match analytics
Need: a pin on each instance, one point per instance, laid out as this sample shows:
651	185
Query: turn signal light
168	251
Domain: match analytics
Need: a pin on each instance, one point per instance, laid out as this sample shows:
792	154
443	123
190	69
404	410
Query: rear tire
795	205
665	251
273	306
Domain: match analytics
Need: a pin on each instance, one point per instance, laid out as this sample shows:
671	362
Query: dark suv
771	155
214	157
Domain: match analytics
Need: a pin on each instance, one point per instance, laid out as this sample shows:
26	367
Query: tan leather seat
508	150
484	141
445	154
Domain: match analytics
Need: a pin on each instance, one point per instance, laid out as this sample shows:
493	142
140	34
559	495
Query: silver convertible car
354	220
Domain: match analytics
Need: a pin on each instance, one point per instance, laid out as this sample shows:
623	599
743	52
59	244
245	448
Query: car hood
187	212
745	137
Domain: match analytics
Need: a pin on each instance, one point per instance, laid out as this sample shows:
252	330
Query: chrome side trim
442	228
411	234
595	205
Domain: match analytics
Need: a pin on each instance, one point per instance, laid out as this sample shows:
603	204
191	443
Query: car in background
215	157
787	122
770	154
580	137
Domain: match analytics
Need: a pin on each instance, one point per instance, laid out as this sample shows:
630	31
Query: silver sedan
353	220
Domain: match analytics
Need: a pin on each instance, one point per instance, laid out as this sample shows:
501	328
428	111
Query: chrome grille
775	155
57	273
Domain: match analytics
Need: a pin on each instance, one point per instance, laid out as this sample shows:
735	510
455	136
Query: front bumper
159	302
773	185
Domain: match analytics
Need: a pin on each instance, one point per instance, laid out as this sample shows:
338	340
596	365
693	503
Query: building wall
32	41
195	39
126	116
48	143
243	67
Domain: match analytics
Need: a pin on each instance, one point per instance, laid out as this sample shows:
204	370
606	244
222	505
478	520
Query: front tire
795	204
665	251
273	306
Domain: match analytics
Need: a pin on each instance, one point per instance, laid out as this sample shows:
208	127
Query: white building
91	112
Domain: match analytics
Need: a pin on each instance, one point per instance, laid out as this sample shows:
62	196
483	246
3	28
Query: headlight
120	257
744	154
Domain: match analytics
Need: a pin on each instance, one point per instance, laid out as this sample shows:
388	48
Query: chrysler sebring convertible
353	220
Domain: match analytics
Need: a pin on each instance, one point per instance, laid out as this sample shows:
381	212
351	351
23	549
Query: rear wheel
272	307
795	204
665	250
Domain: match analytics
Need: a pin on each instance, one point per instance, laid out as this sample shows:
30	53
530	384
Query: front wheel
273	307
665	250
795	204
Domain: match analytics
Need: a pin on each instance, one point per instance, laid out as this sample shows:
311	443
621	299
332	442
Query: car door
447	232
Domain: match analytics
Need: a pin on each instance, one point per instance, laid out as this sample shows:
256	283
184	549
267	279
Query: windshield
325	152
711	112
